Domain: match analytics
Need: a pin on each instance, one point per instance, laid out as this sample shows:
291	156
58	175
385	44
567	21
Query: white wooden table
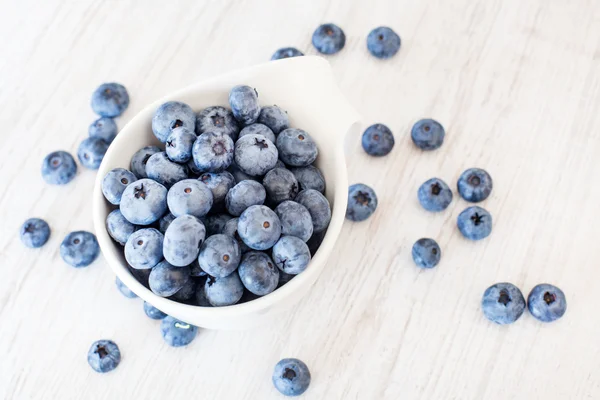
517	86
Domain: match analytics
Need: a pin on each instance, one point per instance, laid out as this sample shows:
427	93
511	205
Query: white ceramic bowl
305	87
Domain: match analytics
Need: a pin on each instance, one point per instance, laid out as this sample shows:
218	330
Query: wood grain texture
517	86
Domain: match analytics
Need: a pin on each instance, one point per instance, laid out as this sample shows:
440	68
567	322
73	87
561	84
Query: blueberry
426	253
187	294
215	223
35	232
153	312
143	249
240	175
217	119
291	255
189	196
475	223
318	207
179	144
255	155
223	291
258	273
114	184
434	195
91	152
118	227
315	242
244	195
244	104
219	184
230	229
383	42
110	100
291	377
275	118
165	171
281	185
144	202
125	291
104	128
219	255
286	52
58	168
258	129
213	152
475	185
296	147
329	39
546	302
362	202
166	280
309	177
140	158
503	303
165	221
259	227
177	333
171	115
79	249
378	140
104	356
428	134
295	220
183	239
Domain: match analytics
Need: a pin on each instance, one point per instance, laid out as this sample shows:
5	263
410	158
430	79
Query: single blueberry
475	185
223	291
104	128
244	195
144	202
295	220
230	229
428	134
166	280
215	223
110	100
240	175
104	356
329	39
143	249
179	144
291	377
219	184
258	273
91	151
259	227
291	255
125	291
177	333
35	232
309	177
189	196
114	184
171	115
434	195
275	118
219	255
286	52
153	312
426	253
213	152
258	129
362	202
118	227
296	147
217	119
165	171
546	302
244	104
58	168
183	239
280	185
165	221
187	294
383	42
503	303
318	207
475	223
140	158
378	140
79	249
255	155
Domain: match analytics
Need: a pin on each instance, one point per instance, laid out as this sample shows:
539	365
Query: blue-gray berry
295	220
275	118
177	333
383	42
144	202
291	255
219	255
291	377
434	195
140	158
34	232
475	223
59	168
171	115
179	144
213	152
428	134
114	184
104	356
189	196
165	171
244	104
296	147
217	119
104	128
183	239
318	207
79	249
255	154
91	151
475	185
110	100
223	291
309	177
118	227
144	248
166	280
258	273
503	303
378	140
259	227
426	253
546	302
328	39
286	52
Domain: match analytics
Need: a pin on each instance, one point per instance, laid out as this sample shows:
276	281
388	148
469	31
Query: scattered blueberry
219	255
258	273
165	171
213	152
475	185
291	377
378	140
475	223
295	220
104	356
362	202
183	239
426	253
217	119
166	280
125	291
118	227
286	52
114	184
309	177
35	232
291	255
258	129
171	115
223	291
179	144
143	249
281	185
104	128
153	312
383	42
215	223
189	196
434	195
58	168
110	100
140	158
244	195
428	134
255	154
503	303
546	302
91	152
259	227
244	104
219	184
177	333
329	39
318	207
79	249
296	147
275	118
144	202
